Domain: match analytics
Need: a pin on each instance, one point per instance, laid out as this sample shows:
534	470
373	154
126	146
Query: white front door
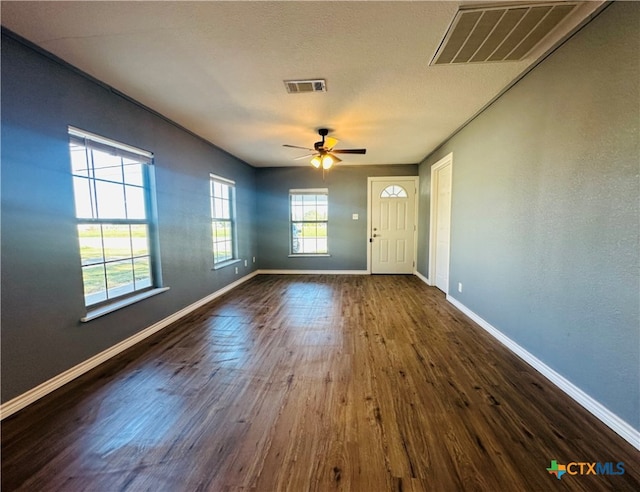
393	224
441	174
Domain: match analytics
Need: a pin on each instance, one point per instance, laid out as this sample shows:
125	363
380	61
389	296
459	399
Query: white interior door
393	225
441	174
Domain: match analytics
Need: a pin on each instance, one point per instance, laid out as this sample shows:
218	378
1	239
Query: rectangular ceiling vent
298	86
499	33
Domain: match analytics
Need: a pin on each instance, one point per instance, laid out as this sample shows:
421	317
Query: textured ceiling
217	68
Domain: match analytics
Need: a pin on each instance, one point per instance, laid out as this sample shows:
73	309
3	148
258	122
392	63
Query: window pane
297	212
142	272
79	165
296	230
222	251
83	192
95	289
309	229
308	245
117	241
322	213
322	245
119	278
135	202
140	240
110	200
217	208
107	166
90	237
133	172
226	214
309	212
321	234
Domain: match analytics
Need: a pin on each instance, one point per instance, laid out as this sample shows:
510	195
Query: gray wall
424	211
545	232
42	295
348	238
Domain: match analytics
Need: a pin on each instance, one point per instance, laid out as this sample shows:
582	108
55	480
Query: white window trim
226	263
121	303
77	132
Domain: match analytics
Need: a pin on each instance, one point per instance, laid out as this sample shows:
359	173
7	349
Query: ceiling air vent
499	33
313	85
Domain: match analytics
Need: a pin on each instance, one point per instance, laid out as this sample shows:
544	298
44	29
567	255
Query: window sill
114	306
310	255
226	264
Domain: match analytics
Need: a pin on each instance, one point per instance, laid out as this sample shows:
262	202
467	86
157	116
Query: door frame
446	160
416	182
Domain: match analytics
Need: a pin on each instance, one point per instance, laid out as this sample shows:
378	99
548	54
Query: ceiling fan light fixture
324	153
327	161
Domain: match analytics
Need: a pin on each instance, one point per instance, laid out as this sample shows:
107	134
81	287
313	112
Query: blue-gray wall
42	295
545	212
348	238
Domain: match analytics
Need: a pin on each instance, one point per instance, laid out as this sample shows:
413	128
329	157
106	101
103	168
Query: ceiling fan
324	152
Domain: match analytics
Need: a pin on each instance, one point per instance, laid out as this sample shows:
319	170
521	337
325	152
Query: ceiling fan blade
330	143
334	157
303	157
349	151
297	147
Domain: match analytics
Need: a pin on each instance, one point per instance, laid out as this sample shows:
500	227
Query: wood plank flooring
312	383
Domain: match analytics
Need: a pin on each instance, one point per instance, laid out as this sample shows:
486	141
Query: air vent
500	33
298	86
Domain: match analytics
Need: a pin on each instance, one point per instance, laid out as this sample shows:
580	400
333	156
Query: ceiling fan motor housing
323	132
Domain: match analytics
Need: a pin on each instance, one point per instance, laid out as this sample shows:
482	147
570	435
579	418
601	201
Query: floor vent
298	86
499	33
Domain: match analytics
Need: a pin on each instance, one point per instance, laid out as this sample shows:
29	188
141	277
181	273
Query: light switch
354	216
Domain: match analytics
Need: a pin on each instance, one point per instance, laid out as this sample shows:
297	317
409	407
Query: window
111	183
223	219
309	221
393	191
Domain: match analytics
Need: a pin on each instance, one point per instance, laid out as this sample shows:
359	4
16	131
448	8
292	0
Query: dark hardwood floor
312	383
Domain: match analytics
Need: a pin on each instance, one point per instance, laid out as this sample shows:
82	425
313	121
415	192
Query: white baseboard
21	401
313	272
422	277
618	425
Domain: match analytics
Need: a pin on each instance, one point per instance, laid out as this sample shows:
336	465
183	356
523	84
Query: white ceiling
217	68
